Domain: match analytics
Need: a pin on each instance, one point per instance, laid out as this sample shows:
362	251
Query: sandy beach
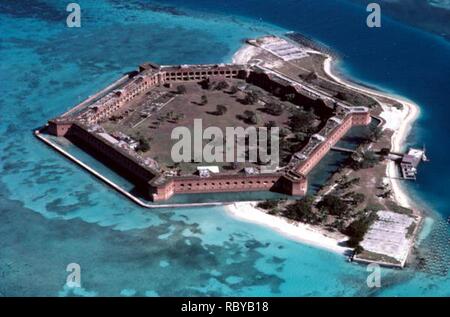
245	54
399	121
300	232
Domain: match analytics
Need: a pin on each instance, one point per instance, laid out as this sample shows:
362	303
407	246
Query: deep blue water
53	214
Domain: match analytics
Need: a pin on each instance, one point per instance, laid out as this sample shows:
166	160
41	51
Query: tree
248	113
372	133
250	117
358	198
284	132
253	119
358	228
333	204
204	100
311	76
369	159
276	91
300	136
398	105
271	124
301	210
233	89
341	96
250	98
375	133
385	151
273	108
221	110
235	165
358	249
290	97
268	204
181	89
221	85
302	121
206	84
144	145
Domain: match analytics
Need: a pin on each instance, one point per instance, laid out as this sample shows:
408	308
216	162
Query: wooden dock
410	163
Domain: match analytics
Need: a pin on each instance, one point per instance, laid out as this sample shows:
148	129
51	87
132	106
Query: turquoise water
52	213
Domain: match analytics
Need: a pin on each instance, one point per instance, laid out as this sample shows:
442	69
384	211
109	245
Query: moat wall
123	163
150	76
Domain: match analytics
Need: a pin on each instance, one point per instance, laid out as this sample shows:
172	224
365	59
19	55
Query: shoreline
244	54
399	121
296	231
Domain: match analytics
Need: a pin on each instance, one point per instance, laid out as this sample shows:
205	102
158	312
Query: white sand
297	231
245	54
400	121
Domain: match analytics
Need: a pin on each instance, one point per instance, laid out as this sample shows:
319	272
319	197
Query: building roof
109	138
212	169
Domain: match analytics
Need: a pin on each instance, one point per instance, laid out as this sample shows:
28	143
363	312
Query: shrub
302	121
268	204
274	109
301	210
251	98
358	228
181	89
204	100
333	204
233	90
222	85
144	145
221	110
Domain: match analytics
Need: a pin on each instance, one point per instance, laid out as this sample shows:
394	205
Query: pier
410	163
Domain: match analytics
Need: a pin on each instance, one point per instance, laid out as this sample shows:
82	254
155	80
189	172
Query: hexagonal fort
129	125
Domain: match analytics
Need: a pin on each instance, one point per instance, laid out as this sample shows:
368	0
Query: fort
142	104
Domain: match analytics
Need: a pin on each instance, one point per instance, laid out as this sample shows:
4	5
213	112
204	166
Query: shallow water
52	213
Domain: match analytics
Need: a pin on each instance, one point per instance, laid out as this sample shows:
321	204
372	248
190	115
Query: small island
283	82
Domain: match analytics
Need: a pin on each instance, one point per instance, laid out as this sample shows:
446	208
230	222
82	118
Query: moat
280	83
129	123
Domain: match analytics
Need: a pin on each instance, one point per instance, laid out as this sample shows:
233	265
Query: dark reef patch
36	9
102	252
146	5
